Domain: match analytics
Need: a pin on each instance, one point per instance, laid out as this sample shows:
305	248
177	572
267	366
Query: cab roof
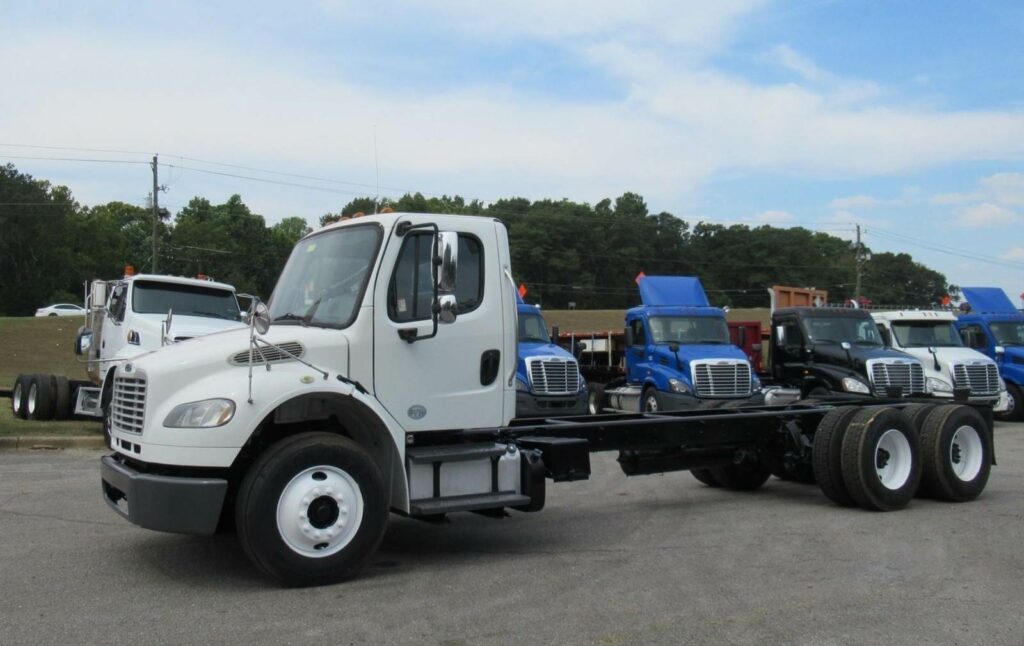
915	315
181	280
672	290
988	300
829	312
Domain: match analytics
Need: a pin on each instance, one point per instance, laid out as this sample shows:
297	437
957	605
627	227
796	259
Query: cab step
471	502
453	453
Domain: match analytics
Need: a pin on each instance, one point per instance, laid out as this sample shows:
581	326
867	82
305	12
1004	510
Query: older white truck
125	318
382	379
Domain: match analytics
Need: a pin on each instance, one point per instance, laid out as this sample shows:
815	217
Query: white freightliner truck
125	318
381	378
931	337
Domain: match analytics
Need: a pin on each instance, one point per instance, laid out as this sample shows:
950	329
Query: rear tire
881	459
706	476
917	413
40	398
312	509
19	396
62	398
745	476
595	398
1016	410
956	454
827	455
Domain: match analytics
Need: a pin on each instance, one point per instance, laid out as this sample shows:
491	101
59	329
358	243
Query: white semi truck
381	378
126	318
931	337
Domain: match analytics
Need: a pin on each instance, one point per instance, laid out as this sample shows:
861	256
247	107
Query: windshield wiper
288	316
213	314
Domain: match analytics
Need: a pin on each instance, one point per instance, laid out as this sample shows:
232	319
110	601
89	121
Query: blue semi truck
677	354
993	326
548	380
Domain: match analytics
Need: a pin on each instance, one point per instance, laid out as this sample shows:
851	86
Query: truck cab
548	380
821	351
931	336
995	328
678	352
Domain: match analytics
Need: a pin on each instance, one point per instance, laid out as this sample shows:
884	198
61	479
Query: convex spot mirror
260	316
83	341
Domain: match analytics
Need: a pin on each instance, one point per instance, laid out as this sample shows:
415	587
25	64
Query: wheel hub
323	512
882	458
893	459
319	512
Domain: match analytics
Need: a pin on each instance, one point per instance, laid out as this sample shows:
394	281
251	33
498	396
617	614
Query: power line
77	159
86	150
948	251
262	179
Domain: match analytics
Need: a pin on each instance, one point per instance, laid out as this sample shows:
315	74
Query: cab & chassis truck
380	378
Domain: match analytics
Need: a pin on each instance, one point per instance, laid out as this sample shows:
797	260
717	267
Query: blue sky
904	117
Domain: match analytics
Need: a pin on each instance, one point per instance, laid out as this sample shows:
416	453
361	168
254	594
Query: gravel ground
654	559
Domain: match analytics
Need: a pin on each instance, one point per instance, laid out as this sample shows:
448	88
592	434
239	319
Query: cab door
637	367
456	378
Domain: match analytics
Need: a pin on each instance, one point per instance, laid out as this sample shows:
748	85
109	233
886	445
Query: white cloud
1015	253
986	214
1005	188
855	202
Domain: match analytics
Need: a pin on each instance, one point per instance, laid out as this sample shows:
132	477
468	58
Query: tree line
565	252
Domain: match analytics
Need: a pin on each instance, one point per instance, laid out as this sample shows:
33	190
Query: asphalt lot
654	559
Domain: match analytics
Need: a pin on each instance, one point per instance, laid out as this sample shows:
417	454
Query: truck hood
183	327
706	351
833	354
227	352
947	357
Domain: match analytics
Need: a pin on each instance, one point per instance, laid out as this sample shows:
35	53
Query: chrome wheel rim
30	405
319	511
16	397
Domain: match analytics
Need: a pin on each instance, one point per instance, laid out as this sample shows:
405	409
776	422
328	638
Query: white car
61	309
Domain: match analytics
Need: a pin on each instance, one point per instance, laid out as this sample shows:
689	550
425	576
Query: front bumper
181	505
528	405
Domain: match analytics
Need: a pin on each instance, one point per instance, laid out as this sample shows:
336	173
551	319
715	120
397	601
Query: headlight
583	384
852	385
208	413
521	385
755	384
936	385
678	386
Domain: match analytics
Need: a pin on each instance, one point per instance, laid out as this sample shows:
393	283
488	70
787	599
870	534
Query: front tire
1015	411
312	509
650	402
595	398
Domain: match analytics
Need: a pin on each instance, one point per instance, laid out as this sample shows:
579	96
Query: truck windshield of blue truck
532	328
1008	332
689	330
156	297
836	330
918	334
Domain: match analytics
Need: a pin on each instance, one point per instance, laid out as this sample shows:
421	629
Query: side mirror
447	260
166	336
780	335
845	345
83	341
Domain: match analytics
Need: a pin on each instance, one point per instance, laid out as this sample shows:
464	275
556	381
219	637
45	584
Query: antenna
376	163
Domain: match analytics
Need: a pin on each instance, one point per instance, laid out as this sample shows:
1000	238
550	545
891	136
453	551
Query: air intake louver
550	376
266	354
722	378
981	378
907	375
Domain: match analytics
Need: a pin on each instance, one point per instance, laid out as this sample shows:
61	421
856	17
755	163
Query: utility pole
860	266
156	209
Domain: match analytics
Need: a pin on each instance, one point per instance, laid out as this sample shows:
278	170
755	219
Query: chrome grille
553	376
721	378
268	354
128	405
908	375
981	377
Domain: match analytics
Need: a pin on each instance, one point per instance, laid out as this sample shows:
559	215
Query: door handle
489	364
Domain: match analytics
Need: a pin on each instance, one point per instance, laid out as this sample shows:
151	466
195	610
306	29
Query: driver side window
639	336
411	291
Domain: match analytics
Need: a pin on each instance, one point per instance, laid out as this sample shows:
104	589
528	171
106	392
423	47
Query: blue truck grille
981	378
553	376
128	405
907	375
721	378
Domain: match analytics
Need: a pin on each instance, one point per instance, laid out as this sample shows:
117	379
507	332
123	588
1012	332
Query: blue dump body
993	322
679	349
556	387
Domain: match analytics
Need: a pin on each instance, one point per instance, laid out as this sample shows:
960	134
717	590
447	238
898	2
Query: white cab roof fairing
181	280
914	315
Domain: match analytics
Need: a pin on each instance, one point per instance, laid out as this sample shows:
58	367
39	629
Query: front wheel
312	509
1015	410
595	398
650	402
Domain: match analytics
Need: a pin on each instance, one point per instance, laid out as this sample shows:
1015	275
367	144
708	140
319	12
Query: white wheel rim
593	404
16	398
1010	403
893	459
319	511
651	404
32	392
965	453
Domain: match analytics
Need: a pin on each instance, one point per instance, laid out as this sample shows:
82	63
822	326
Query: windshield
918	334
1008	332
533	328
185	300
325	276
689	329
831	329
